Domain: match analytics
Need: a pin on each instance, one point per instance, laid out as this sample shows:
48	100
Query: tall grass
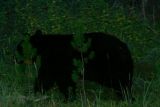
16	90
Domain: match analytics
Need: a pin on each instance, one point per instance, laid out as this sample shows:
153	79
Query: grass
16	90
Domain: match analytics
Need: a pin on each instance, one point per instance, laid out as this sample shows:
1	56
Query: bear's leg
67	88
43	82
123	91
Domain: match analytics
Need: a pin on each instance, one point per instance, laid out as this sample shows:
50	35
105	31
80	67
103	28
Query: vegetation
139	29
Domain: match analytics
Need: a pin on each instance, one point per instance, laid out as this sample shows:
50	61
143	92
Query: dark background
133	21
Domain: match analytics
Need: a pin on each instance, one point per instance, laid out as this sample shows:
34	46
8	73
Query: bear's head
26	51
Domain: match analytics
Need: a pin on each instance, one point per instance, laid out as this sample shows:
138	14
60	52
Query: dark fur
112	65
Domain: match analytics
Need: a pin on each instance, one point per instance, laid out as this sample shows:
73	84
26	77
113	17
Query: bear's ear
38	32
36	39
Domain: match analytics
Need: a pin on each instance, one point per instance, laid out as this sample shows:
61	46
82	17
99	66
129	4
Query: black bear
111	66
